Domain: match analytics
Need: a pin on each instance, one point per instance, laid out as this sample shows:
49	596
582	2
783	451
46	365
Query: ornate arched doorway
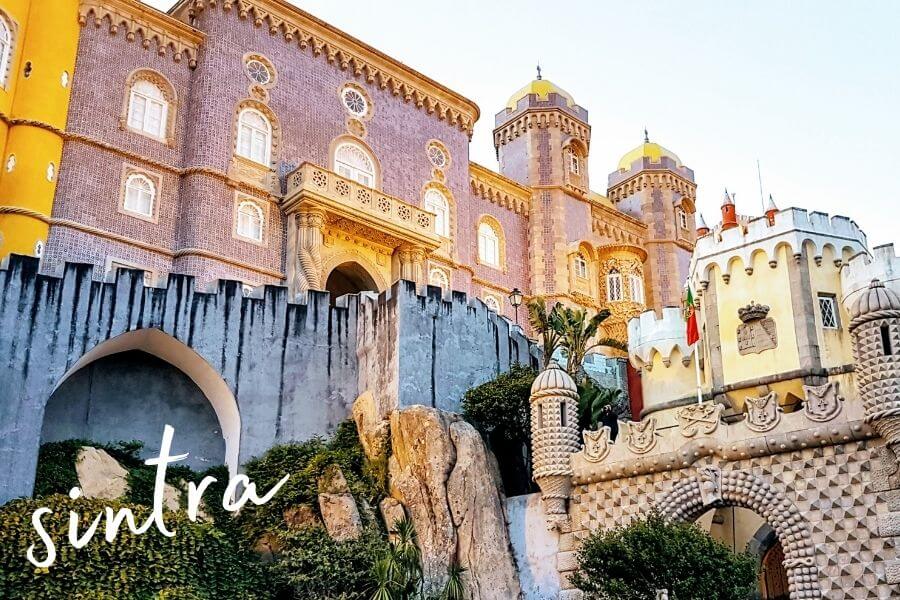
349	278
773	580
712	487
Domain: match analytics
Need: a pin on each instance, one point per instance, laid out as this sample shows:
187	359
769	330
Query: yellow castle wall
834	344
35	109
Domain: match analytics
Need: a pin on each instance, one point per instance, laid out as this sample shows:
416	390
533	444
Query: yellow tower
42	40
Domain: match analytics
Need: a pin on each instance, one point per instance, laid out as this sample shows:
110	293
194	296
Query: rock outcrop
100	475
371	424
442	473
391	512
337	506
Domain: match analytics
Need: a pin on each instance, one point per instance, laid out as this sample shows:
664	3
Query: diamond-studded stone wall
838	494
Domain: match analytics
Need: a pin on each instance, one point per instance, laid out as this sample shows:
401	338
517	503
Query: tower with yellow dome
542	138
653	185
38	44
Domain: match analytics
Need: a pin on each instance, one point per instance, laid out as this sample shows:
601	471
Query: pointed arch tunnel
183	358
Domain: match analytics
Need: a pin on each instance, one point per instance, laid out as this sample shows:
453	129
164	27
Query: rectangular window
581	269
682	219
115	265
828	310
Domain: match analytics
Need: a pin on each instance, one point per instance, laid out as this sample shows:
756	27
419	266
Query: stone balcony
389	219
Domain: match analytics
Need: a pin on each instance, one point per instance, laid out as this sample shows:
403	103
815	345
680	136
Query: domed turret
554	438
875	329
542	88
650	150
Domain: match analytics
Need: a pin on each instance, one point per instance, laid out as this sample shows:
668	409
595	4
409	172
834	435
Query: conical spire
771	210
729	212
728	199
702	227
771	204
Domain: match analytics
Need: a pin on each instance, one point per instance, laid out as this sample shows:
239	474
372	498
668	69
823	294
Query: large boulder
391	512
476	505
100	475
442	472
337	506
372	426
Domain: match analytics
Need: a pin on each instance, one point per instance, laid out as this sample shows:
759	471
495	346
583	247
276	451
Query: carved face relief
710	485
823	402
596	444
699	418
762	412
642	436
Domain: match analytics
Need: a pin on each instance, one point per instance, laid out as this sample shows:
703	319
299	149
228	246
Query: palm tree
547	324
577	337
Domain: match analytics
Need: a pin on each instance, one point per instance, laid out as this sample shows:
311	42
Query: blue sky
809	88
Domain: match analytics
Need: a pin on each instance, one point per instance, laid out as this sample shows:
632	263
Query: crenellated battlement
793	227
858	272
648	335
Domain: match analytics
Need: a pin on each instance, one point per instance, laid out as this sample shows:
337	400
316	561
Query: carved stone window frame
261	58
250	103
241	198
6	67
493	223
370	105
128	170
171	97
440	146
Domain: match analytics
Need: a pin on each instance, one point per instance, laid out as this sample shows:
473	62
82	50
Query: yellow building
38	43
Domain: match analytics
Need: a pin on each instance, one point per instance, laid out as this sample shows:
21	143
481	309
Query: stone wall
273	371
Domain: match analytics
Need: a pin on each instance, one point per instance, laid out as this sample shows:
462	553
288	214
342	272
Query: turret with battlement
859	271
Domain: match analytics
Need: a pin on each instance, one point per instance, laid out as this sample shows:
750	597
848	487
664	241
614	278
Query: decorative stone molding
168	92
641	435
667	180
499	190
763	412
690	498
822	402
699	418
135	18
346	53
542	118
793	227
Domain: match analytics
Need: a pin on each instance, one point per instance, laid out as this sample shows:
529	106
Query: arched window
488	245
636	283
614	286
581	268
250	221
5	49
140	194
436	202
352	162
254	136
439	278
492	303
148	110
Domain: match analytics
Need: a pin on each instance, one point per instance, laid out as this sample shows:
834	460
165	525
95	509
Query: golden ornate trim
498	189
134	17
346	52
23	212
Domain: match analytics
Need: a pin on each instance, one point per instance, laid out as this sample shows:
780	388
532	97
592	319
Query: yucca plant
455	589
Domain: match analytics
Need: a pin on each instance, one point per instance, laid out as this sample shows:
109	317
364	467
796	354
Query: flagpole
697	369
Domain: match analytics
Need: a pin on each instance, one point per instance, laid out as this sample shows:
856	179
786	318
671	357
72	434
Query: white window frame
614	286
636	287
488	245
360	114
357	170
581	266
129	186
241	222
143	123
682	218
254	143
6	49
574	163
829	301
436	202
492	303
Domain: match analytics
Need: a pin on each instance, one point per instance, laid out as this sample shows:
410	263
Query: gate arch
712	488
195	367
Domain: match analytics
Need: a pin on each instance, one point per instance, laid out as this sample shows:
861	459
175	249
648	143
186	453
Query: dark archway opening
132	395
349	278
773	579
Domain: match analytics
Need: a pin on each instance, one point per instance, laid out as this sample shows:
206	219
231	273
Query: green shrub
199	563
595	403
632	562
315	567
501	406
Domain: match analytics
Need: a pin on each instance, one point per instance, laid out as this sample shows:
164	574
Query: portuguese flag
690	316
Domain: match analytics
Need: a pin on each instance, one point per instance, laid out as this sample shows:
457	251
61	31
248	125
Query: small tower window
250	221
147	109
637	288
436	202
562	414
682	218
828	310
886	340
254	136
